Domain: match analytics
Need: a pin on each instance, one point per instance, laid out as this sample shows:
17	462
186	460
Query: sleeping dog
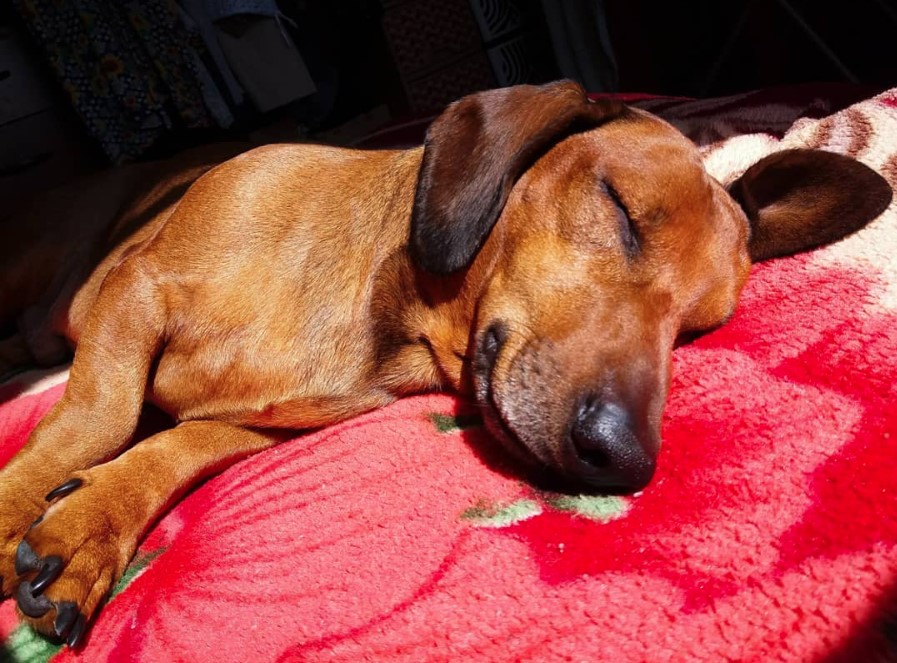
541	253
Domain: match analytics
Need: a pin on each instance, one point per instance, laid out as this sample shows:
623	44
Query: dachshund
541	253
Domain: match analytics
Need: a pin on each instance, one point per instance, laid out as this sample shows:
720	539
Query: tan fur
280	292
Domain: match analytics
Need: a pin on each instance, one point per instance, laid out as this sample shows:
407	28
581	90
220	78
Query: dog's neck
421	331
423	325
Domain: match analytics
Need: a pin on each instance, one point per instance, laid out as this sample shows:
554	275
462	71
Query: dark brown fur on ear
475	152
799	199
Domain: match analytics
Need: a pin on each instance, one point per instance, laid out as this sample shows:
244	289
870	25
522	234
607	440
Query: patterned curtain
129	67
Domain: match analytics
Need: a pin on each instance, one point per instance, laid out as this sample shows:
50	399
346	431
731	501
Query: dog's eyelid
628	229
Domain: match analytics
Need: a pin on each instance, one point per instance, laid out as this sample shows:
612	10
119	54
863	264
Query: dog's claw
49	571
77	632
26	559
64	489
31	605
66	616
36	522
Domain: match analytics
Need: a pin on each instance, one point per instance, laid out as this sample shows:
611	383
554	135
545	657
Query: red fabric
769	532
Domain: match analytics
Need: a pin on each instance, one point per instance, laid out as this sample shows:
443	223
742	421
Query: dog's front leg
81	546
95	418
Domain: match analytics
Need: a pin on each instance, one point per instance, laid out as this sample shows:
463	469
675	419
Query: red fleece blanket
768	533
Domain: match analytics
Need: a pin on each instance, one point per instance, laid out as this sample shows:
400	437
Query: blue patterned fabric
128	67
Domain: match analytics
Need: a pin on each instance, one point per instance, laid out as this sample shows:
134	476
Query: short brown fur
294	286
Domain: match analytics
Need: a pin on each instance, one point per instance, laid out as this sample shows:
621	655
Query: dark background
376	62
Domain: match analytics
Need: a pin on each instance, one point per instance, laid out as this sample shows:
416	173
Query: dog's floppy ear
474	153
799	199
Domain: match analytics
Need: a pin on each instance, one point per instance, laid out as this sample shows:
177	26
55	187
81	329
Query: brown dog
541	252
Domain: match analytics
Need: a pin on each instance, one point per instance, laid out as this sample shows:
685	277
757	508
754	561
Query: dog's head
593	238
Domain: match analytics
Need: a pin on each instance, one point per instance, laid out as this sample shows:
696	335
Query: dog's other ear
799	199
474	153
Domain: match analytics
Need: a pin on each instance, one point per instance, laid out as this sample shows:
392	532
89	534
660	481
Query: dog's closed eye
628	231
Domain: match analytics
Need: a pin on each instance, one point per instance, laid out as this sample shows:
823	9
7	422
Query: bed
769	532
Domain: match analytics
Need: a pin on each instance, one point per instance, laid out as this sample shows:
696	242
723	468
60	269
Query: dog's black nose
608	454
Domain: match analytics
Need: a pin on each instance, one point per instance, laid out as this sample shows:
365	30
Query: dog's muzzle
601	448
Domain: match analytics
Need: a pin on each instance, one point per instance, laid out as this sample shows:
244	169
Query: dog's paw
69	560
